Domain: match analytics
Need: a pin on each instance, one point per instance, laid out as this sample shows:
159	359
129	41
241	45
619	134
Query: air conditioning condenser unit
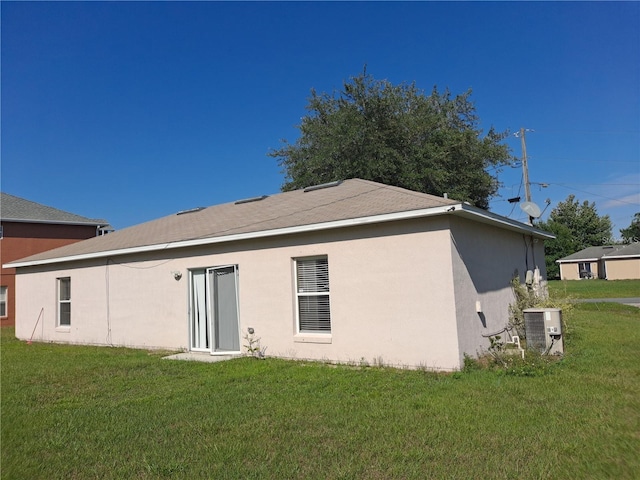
543	329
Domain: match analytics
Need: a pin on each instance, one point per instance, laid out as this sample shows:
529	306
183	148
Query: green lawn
74	412
595	288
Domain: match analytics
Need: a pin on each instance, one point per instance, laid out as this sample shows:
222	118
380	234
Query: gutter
484	216
461	209
579	260
96	223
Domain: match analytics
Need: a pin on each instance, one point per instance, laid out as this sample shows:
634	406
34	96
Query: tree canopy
576	226
632	232
395	134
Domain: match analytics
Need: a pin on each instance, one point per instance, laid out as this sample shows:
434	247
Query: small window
64	302
584	270
3	301
312	291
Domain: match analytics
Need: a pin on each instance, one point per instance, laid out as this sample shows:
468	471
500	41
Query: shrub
534	364
525	298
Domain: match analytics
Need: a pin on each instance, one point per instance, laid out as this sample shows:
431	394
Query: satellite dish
531	209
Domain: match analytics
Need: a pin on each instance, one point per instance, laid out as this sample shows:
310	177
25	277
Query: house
27	228
342	272
611	262
624	263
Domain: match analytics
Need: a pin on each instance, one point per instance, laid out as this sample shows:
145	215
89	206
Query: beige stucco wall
570	271
393	293
623	269
485	259
391	296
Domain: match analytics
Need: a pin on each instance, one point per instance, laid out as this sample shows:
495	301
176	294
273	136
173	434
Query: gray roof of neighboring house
631	250
596	253
351	202
589	253
16	209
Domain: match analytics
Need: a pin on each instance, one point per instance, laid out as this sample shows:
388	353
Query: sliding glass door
214	310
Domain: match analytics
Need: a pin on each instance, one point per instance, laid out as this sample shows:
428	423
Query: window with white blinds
312	290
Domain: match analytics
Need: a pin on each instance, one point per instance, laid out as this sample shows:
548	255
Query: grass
78	412
595	288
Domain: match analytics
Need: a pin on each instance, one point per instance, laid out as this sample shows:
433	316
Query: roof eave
577	260
57	222
484	216
460	209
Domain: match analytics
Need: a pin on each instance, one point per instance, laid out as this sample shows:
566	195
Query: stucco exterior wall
391	291
570	271
22	239
623	269
485	259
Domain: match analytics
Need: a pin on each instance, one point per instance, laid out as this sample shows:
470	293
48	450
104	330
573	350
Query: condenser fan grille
534	329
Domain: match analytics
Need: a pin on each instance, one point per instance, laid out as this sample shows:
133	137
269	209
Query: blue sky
132	111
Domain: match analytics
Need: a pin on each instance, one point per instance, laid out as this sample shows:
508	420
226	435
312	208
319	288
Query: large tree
395	134
576	226
632	232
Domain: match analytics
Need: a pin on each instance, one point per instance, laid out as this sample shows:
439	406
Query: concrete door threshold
201	357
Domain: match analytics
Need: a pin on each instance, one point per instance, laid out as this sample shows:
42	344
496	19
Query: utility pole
525	167
525	174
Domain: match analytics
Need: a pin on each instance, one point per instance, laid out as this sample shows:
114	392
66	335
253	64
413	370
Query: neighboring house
342	272
587	263
27	228
611	262
624	263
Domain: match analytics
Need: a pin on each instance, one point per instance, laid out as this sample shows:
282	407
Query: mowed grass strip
581	289
78	412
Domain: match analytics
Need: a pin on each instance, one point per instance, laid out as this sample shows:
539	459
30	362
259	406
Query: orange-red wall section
21	240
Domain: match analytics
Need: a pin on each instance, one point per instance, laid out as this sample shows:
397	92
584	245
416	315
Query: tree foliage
576	226
397	135
632	232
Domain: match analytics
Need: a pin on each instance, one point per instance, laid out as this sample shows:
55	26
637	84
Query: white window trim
60	327
309	337
585	266
5	299
312	338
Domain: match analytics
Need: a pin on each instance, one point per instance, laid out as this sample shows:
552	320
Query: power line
514	204
595	194
598	184
593	132
576	160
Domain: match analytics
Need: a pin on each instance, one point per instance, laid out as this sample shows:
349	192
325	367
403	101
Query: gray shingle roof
631	250
607	251
18	209
351	200
589	253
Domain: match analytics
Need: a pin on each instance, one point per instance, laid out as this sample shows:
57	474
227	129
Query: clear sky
131	111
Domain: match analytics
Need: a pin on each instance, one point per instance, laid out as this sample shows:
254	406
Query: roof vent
252	199
324	185
191	210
